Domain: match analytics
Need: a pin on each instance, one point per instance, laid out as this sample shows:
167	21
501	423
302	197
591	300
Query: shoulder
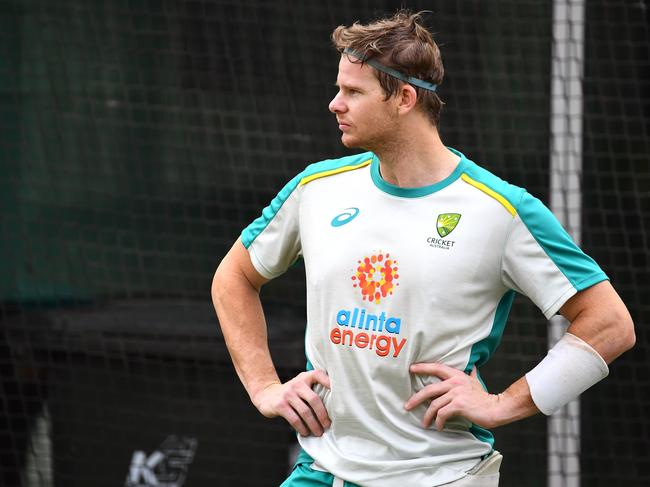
324	168
510	196
314	171
330	167
524	207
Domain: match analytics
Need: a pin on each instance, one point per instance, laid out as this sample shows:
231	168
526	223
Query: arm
235	295
596	315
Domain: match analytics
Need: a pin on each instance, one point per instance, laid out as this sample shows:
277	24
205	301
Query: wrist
255	396
514	403
571	367
503	410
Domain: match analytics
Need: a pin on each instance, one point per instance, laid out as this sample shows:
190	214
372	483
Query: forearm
609	334
242	321
570	367
600	320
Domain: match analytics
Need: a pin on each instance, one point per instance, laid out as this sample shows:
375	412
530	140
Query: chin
350	142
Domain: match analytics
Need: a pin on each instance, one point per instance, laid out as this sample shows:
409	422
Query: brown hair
402	43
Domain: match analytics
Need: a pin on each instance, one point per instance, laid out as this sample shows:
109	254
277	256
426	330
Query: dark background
139	137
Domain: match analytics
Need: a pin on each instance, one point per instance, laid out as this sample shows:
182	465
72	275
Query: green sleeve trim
580	269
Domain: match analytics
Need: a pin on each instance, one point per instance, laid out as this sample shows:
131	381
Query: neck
415	157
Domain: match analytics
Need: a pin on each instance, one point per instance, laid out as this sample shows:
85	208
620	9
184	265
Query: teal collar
421	191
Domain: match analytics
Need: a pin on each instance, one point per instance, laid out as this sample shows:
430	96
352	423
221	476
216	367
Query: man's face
365	119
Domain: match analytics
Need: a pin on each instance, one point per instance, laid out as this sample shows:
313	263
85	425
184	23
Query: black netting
137	139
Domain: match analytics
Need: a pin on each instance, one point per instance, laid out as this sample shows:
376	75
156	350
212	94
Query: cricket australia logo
445	224
165	467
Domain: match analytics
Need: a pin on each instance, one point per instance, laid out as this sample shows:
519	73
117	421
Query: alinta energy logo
445	224
375	279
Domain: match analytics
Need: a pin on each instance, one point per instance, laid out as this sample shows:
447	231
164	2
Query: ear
407	98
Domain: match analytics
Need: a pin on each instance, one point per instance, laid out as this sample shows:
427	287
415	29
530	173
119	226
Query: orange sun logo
376	277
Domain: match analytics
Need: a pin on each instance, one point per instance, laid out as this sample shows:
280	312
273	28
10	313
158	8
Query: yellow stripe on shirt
331	172
506	204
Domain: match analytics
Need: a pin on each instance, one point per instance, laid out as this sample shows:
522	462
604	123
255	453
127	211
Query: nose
337	105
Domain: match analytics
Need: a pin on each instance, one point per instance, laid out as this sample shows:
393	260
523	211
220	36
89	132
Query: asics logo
347	216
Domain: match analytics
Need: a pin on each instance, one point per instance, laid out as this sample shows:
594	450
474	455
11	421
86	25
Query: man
413	255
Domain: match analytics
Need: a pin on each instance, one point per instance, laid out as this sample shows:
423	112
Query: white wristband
570	368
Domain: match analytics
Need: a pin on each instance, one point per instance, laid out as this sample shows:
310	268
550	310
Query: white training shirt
397	276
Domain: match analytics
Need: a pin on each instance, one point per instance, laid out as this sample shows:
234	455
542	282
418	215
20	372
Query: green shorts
305	476
484	474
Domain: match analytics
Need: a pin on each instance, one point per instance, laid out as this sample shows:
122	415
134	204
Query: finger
294	420
443	414
307	415
316	404
321	377
431	391
439	370
474	372
434	410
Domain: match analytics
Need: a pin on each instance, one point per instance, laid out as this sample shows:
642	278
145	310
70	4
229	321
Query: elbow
217	285
624	336
218	293
628	336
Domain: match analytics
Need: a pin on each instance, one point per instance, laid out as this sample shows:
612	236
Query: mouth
343	125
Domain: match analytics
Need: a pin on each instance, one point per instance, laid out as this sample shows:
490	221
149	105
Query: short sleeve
542	261
273	239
